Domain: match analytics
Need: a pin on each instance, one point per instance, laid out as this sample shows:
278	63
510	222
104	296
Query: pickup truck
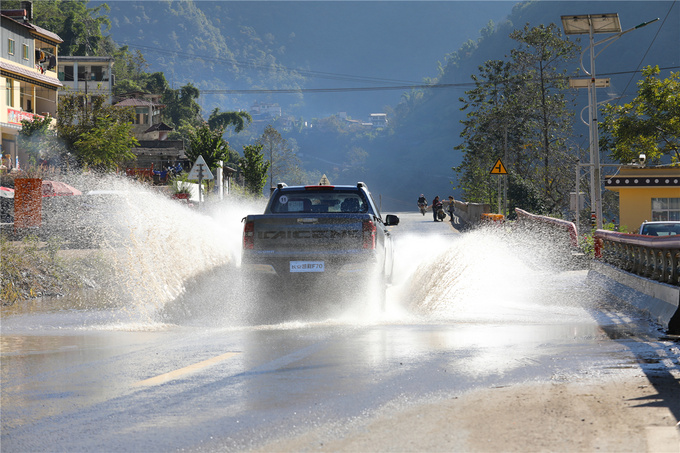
323	234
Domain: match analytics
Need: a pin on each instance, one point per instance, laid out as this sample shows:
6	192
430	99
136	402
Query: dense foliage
649	124
209	143
95	133
517	112
254	167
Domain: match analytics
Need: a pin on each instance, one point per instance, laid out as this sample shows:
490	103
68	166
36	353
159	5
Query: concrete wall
470	213
659	300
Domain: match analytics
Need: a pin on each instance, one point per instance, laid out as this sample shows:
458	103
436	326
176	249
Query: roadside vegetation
31	269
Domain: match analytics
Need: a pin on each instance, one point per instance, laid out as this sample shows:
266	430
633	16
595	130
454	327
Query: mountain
366	55
220	45
419	148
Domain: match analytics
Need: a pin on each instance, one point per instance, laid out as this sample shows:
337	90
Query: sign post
499	169
200	171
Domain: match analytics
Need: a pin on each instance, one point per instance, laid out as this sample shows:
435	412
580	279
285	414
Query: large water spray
494	275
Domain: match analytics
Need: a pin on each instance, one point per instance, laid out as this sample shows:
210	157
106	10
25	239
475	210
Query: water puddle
165	264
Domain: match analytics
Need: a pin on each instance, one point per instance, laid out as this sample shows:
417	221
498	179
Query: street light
591	24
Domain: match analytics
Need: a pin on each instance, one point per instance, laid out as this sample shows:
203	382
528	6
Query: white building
87	75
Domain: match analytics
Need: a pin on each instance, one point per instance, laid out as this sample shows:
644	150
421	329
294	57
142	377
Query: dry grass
31	269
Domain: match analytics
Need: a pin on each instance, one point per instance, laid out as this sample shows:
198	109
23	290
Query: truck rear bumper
319	266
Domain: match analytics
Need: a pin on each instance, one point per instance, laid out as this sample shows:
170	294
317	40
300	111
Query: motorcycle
441	214
422	207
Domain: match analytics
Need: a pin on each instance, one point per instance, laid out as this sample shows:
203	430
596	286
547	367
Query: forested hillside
272	46
412	60
421	151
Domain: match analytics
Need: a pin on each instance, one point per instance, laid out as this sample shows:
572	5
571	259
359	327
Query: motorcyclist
422	203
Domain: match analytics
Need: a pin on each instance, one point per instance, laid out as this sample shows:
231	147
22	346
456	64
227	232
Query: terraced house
28	76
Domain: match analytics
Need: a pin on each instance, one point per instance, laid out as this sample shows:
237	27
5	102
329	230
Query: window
10	93
665	209
96	73
10	46
350	201
141	115
68	73
25	54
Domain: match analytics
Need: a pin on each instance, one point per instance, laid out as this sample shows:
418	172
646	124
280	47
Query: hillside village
37	76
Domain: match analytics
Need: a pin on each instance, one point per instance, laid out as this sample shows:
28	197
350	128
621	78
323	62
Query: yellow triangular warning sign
499	168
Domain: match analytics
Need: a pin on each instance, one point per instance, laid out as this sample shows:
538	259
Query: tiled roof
39	30
69	58
134	102
28	73
159	127
46	33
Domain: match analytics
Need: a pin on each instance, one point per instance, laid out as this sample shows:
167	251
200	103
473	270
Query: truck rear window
315	202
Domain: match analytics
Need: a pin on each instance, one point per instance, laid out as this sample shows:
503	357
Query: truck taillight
249	235
368	230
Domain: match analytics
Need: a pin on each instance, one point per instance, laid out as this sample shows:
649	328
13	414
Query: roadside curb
659	300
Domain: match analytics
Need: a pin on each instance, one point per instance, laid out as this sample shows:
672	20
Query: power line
656	35
331	76
381	88
279	68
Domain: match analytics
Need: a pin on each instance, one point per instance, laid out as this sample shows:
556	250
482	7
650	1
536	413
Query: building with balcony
87	76
28	74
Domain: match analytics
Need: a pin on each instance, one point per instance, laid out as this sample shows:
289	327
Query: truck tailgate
295	233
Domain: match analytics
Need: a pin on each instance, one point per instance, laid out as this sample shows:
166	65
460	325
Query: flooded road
216	369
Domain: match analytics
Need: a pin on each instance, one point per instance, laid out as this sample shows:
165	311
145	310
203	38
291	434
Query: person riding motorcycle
422	203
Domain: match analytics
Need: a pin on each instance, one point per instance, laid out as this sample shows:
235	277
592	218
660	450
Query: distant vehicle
660	228
312	235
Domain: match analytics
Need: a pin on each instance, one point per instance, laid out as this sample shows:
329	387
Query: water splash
493	275
153	245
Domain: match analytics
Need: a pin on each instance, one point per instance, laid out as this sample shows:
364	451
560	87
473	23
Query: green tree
80	27
206	142
129	69
98	135
254	168
487	125
221	120
517	111
649	124
181	106
39	139
283	162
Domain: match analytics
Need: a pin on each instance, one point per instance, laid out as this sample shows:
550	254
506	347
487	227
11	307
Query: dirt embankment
33	269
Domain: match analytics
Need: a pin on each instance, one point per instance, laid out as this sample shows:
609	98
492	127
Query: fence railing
656	258
559	225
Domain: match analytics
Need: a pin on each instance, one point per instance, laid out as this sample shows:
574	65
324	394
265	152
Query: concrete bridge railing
642	271
559	226
656	258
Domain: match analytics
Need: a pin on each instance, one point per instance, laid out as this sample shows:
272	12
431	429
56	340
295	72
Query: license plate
306	266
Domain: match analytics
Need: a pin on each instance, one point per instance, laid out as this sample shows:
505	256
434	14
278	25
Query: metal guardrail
656	258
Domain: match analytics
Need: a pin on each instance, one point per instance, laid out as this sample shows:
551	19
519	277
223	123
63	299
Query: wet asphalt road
207	373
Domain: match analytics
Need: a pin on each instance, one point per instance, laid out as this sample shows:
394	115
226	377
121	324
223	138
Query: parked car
660	228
